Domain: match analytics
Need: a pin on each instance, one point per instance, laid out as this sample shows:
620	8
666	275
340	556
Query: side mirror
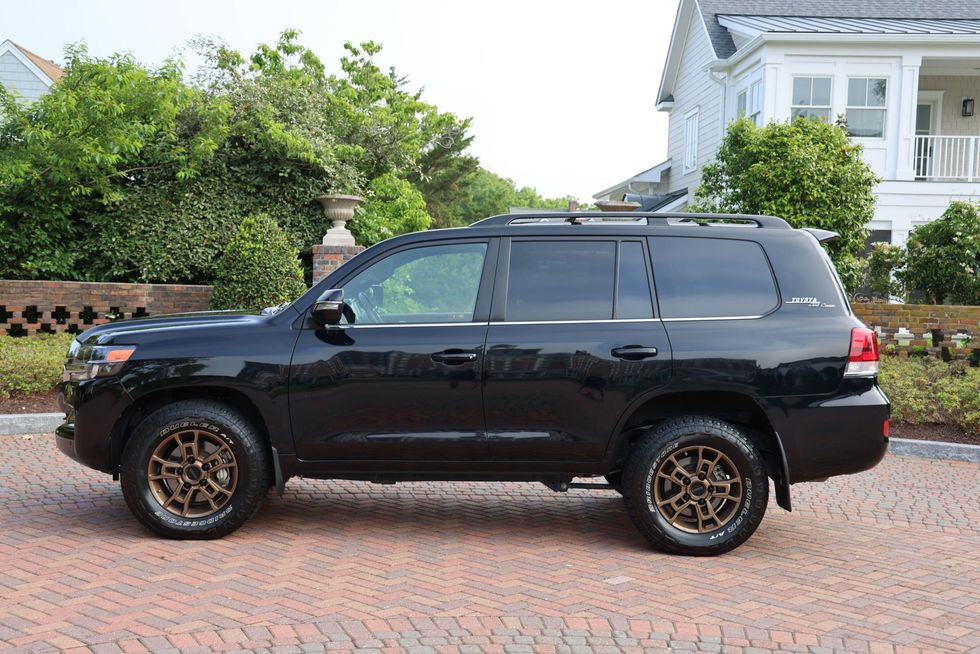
329	309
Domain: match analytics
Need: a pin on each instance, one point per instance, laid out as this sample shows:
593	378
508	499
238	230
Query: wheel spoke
216	455
671	500
218	488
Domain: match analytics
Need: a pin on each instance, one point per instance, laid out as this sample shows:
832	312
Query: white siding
19	79
694	89
956	88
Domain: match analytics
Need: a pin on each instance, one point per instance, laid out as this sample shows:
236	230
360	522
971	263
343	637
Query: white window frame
742	103
691	139
755	102
883	108
830	97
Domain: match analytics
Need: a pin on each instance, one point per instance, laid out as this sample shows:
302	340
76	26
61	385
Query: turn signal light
862	359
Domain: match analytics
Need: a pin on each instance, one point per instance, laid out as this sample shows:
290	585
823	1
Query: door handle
634	352
454	357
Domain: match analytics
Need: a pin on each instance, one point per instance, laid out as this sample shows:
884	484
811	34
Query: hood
131	329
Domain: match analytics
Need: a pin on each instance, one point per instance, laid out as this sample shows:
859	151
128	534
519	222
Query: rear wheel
195	470
695	485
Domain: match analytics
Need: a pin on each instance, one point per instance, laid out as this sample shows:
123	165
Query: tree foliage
259	268
806	172
125	172
483	193
884	261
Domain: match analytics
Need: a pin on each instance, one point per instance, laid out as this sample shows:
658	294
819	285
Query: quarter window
429	284
866	100
632	283
811	97
567	280
711	278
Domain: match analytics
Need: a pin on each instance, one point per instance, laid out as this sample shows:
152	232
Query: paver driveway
884	561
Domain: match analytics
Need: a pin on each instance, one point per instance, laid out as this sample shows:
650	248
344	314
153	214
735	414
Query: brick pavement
885	561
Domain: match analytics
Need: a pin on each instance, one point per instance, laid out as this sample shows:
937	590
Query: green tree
393	207
259	268
807	172
107	125
483	193
943	256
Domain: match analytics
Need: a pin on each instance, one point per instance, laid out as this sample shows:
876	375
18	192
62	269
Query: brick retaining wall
29	307
940	321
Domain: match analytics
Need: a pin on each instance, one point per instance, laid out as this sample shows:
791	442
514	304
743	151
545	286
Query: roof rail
637	217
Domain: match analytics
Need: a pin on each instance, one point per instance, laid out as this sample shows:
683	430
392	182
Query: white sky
562	93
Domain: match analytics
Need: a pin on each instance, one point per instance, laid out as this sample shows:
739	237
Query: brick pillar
327	258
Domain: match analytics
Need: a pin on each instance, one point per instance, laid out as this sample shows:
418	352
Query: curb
934	449
29	423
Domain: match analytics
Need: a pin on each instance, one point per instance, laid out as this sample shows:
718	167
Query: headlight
91	361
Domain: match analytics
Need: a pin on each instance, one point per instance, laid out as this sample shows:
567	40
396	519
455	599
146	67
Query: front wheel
195	470
695	485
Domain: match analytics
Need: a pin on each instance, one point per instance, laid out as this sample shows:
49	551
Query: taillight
884	429
862	360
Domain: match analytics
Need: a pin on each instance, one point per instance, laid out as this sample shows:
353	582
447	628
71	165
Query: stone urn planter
339	209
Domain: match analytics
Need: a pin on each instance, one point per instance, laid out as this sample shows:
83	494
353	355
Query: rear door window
561	280
711	278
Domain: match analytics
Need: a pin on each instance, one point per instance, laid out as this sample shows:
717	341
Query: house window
811	98
755	102
866	106
691	141
741	104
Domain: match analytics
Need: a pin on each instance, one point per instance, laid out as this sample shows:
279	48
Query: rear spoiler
822	235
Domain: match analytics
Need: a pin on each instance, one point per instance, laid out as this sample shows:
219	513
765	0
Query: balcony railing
947	158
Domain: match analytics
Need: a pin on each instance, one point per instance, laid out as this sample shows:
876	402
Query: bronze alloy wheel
697	489
192	473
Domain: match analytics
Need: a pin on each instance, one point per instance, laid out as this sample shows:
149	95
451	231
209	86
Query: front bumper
92	411
837	435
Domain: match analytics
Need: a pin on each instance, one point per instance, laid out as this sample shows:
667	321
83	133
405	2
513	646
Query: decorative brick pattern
327	258
883	561
941	320
30	307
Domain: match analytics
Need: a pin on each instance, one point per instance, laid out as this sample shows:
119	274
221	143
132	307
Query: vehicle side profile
687	359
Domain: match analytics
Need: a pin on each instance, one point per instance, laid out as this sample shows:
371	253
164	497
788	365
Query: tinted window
633	292
427	284
568	280
711	278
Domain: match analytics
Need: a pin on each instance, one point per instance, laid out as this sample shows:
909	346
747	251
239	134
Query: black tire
672	445
234	441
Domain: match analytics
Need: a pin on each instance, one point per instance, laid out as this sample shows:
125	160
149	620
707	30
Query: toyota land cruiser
687	359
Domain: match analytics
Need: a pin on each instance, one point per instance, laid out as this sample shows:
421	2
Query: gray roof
724	47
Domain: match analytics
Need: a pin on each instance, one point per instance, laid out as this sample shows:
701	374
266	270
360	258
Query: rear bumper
92	410
837	435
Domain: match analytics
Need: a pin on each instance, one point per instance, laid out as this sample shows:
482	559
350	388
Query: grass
31	364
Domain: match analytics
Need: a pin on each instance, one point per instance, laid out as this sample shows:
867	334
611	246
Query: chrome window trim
542	322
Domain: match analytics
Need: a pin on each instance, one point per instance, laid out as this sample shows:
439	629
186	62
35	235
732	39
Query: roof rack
635	217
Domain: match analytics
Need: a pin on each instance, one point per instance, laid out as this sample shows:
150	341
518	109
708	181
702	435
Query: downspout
721	81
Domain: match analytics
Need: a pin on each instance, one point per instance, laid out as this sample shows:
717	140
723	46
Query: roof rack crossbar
650	218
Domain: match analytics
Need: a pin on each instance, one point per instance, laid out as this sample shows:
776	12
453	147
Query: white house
906	75
24	73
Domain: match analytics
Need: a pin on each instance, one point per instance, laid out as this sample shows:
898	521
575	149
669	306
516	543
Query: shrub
924	390
31	364
258	269
943	257
885	259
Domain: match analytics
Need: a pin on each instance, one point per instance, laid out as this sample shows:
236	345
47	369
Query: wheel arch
739	409
146	404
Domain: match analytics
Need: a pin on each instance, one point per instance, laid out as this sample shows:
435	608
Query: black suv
686	358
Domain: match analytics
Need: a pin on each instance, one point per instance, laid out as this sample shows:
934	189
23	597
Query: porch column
905	161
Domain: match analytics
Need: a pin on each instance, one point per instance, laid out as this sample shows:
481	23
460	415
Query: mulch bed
934	431
38	403
48	403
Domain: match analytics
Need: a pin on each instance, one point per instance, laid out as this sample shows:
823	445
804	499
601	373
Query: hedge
31	364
